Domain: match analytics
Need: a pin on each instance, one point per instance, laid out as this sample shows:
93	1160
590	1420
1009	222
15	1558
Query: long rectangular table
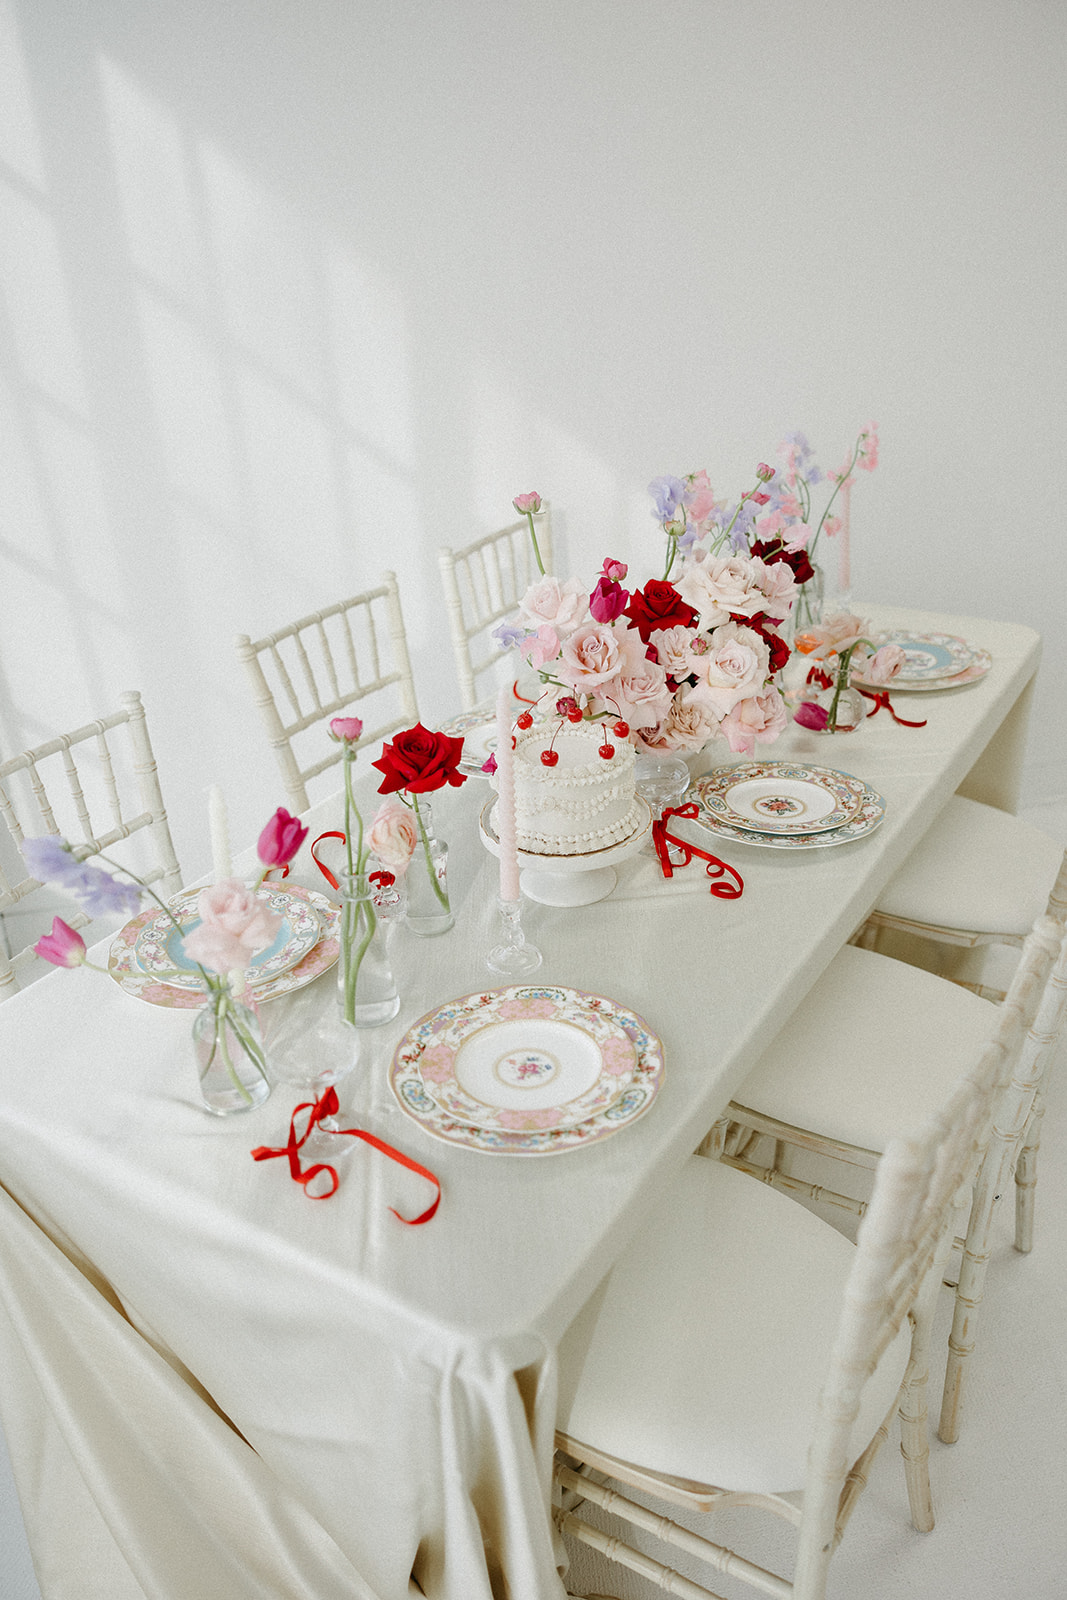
214	1387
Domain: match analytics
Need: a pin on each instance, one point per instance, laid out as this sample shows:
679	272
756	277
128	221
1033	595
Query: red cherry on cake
549	758
606	751
574	714
620	728
524	720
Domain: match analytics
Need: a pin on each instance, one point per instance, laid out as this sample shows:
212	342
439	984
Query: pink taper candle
844	554
505	809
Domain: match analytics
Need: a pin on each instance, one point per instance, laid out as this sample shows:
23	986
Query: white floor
999	1494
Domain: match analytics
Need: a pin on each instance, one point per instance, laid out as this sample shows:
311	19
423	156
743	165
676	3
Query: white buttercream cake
582	803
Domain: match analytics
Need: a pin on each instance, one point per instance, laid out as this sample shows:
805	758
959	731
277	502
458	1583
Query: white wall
296	291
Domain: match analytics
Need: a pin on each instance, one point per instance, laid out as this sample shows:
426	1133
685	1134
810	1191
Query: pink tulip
527	504
281	838
62	947
812	716
346	729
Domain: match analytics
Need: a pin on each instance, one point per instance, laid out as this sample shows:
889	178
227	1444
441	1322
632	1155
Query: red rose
658	605
767	628
420	761
770	550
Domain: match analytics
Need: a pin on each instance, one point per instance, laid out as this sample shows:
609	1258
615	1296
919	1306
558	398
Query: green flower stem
224	1011
354	959
837	490
536	547
438	891
147	887
844	666
672	551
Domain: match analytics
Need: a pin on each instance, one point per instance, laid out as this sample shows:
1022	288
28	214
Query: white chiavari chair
352	654
483	584
743	1353
979	877
874	1044
96	786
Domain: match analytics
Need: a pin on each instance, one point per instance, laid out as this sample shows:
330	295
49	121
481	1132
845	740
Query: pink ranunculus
615	570
735	667
346	729
281	839
883	666
673	647
831	637
393	835
549	603
62	947
234	924
590	657
719	587
809	715
757	720
527	504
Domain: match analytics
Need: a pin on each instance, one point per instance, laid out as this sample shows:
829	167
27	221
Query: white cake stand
570	880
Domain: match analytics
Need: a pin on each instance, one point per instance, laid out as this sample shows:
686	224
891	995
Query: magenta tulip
809	715
62	947
281	839
346	729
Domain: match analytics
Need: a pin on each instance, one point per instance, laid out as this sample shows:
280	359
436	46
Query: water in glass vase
230	1059
366	989
428	910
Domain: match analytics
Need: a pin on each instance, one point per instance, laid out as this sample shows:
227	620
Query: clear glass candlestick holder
512	956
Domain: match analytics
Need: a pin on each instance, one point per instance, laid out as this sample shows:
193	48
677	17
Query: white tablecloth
215	1388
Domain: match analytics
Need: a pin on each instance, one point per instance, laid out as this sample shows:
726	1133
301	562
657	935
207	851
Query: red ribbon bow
733	885
881	698
326	1106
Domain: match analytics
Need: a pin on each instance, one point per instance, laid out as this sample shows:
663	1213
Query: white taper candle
505	808
844	554
221	865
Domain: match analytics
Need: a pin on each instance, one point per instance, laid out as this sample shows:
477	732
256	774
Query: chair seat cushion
977	869
703	1352
872	1051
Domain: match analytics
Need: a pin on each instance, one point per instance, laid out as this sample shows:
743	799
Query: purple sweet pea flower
51	860
100	894
509	634
667	495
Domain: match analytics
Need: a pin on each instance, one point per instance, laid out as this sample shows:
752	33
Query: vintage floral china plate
158	946
780	797
527	1070
869	816
158	990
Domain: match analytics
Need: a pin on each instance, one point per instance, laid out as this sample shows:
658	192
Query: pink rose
775	582
688	725
673	647
591	656
757	720
234	924
346	729
882	667
549	603
640	694
718	587
393	835
832	637
734	668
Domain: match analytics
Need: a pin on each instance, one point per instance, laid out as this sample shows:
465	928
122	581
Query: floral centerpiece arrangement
841	643
234	924
683	658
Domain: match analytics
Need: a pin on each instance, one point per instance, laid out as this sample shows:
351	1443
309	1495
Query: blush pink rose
757	720
393	836
775	582
640	694
831	637
734	668
549	603
718	587
590	657
882	667
672	646
688	725
234	924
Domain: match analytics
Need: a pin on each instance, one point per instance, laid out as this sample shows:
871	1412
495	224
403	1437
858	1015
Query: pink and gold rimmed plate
159	950
779	797
533	1069
152	986
935	661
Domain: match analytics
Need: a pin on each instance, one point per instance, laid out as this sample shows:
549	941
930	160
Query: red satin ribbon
330	877
326	1106
522	697
733	886
881	698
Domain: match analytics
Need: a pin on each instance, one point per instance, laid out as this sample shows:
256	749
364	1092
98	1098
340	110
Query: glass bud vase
230	1059
807	604
366	989
427	877
850	712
